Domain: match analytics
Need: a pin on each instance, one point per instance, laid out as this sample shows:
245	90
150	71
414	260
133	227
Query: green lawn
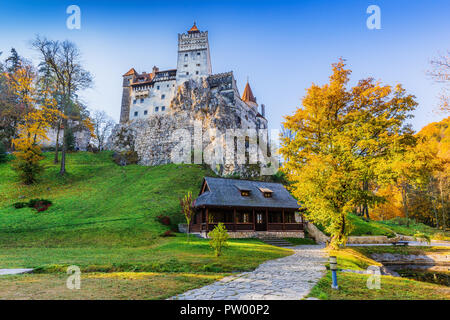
353	286
103	219
389	228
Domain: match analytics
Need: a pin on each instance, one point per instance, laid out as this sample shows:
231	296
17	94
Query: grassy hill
103	219
389	228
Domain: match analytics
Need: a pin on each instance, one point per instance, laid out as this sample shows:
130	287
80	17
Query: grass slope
103	219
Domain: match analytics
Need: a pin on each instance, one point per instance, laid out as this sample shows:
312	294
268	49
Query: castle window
134	101
185	57
163	96
156	109
196	72
157	87
135	113
198	64
163	108
185	65
167	86
145	112
187	73
142	100
198	53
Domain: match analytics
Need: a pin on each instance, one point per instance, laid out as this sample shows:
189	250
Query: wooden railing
284	226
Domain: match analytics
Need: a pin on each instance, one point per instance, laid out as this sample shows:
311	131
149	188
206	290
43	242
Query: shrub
219	239
20	205
38	204
125	158
165	220
168	233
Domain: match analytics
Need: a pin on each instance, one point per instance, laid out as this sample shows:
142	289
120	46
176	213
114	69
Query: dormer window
245	192
266	192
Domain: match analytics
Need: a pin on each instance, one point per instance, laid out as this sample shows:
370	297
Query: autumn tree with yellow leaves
39	115
336	143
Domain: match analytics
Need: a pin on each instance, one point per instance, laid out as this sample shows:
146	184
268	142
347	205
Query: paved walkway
288	278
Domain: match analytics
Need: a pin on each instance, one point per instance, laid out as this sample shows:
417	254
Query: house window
163	96
156	109
267	195
145	112
135	113
163	108
245	193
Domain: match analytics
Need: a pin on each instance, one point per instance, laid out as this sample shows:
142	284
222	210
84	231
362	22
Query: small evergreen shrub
20	205
219	239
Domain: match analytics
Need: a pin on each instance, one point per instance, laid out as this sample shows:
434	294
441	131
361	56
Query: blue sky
282	46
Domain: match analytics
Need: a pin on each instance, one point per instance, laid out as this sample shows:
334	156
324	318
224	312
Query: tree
103	126
219	239
440	73
33	129
64	61
188	210
340	139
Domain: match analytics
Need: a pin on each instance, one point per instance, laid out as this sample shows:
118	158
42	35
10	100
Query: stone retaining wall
262	234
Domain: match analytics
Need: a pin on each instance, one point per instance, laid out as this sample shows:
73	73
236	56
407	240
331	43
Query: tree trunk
62	171
405	204
444	216
58	130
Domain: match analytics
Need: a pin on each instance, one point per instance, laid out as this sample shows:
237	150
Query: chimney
263	110
155	69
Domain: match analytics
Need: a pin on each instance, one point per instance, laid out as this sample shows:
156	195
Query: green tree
338	139
187	208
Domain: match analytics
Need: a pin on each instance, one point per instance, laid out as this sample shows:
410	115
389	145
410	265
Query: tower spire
194	29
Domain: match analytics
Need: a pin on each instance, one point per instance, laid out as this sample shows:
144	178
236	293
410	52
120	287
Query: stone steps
277	242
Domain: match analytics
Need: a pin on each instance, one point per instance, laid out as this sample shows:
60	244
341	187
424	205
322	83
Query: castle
157	105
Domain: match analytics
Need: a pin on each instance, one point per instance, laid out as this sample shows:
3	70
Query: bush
168	233
3	155
38	204
125	158
20	205
219	239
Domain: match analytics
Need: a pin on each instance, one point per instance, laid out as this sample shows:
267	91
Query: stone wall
261	234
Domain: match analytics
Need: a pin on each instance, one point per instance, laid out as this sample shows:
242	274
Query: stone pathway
14	271
288	278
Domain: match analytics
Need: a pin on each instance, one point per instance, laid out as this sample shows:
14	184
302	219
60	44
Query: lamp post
333	268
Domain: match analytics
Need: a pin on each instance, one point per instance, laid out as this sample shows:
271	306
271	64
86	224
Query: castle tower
193	55
126	95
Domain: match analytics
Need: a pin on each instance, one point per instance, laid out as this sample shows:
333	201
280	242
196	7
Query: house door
260	223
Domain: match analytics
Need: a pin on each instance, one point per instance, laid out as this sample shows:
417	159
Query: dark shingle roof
225	192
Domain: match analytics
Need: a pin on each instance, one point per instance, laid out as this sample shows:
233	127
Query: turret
126	95
193	55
